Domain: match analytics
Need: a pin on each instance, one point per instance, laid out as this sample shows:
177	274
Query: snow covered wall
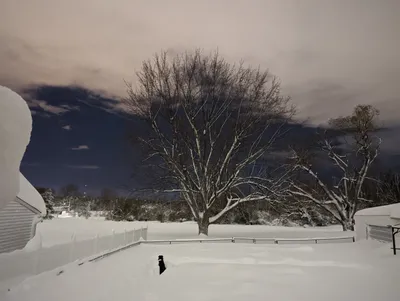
15	133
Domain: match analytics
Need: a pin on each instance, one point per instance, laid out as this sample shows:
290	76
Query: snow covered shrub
48	197
83	212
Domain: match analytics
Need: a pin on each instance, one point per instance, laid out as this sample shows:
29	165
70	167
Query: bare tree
108	194
211	122
350	159
388	189
70	194
70	190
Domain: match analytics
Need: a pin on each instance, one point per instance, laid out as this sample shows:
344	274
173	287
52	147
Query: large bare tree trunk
203	224
348	225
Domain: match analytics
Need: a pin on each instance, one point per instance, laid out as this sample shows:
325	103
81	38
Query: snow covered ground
60	230
226	271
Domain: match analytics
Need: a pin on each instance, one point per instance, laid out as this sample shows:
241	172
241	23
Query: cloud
80	147
40	114
353	47
52	109
83	166
67	127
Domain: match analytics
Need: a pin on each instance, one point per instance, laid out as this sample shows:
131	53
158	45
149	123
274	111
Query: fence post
125	237
393	240
133	235
36	256
141	233
72	247
95	243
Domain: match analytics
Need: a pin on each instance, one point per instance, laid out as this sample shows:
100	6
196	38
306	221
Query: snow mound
15	132
392	211
65	214
34	244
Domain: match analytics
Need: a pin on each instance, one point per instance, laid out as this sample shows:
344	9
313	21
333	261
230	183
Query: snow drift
15	132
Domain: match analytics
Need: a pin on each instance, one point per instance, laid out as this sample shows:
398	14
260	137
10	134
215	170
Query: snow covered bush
48	197
49	200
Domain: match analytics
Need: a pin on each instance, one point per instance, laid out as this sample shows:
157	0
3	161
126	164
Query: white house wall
15	226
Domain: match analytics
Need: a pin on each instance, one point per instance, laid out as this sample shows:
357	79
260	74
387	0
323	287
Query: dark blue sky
82	145
76	139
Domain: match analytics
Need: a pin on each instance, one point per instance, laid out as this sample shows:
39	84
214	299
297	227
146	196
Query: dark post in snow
161	264
395	230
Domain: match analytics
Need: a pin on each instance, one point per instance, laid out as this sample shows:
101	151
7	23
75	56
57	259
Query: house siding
16	225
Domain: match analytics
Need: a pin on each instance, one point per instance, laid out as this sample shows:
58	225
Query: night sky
76	139
73	142
69	60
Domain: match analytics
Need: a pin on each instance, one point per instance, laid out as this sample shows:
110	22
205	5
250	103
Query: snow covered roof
392	211
15	132
30	195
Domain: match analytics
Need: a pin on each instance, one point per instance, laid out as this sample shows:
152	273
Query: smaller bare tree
388	189
350	159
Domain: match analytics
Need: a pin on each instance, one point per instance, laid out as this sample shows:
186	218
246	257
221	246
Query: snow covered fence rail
379	233
111	252
253	240
217	240
35	259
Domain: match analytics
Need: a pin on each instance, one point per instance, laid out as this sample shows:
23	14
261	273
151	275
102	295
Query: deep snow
392	211
15	133
60	230
207	272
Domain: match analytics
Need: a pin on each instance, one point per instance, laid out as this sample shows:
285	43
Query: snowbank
381	216
15	131
35	258
392	211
